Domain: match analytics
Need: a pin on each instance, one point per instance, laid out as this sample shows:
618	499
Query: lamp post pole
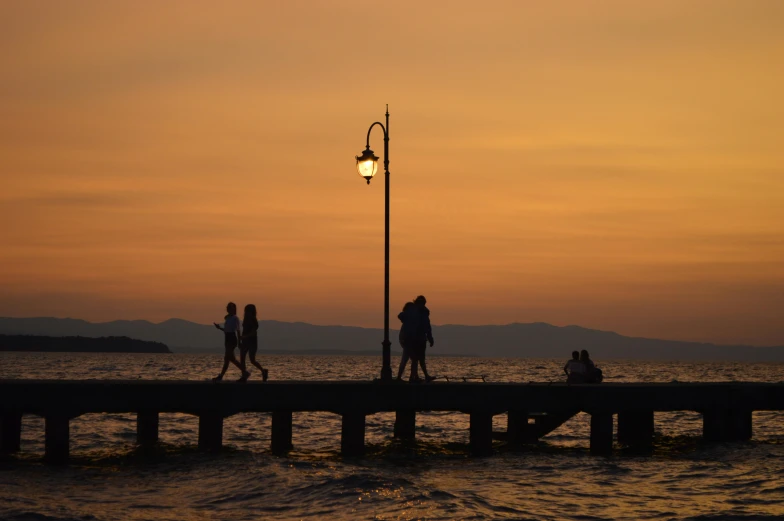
386	367
367	166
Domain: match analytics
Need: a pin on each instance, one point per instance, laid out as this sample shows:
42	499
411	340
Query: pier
533	409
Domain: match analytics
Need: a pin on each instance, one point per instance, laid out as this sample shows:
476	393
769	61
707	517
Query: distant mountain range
535	340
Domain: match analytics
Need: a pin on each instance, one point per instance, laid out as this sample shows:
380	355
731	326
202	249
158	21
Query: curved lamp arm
367	142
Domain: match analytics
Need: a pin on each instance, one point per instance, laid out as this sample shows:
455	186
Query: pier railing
533	409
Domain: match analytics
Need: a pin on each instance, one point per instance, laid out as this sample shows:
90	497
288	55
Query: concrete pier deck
534	409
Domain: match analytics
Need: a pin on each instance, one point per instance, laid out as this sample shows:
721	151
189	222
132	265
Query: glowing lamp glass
367	165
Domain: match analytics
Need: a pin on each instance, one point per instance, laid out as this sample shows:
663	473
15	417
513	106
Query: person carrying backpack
593	375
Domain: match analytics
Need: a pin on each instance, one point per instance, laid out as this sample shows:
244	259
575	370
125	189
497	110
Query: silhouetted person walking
250	341
422	333
402	316
231	339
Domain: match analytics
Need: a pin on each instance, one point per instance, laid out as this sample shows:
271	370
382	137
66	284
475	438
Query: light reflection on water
431	479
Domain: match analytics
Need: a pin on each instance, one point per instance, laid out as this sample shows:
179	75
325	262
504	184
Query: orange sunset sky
616	165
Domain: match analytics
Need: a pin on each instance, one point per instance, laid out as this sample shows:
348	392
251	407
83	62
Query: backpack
595	376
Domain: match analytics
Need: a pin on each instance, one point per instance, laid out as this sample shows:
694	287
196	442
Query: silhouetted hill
537	340
80	344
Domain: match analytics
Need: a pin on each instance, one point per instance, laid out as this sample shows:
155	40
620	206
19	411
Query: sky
611	164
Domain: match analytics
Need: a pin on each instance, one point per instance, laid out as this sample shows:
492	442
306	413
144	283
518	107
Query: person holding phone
232	332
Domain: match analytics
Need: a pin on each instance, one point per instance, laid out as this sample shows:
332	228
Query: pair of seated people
581	369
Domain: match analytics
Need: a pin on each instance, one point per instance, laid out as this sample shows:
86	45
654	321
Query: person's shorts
230	340
250	345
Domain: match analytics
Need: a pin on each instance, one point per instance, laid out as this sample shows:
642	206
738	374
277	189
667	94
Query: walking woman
402	316
231	333
250	340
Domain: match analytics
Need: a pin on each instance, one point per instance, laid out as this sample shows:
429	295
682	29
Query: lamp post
367	166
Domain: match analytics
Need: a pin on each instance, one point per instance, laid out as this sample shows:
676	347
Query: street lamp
367	166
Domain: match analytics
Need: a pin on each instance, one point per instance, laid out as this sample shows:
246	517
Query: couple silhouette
415	334
243	335
581	369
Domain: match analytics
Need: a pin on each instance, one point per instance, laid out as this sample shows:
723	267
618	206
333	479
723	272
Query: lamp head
367	164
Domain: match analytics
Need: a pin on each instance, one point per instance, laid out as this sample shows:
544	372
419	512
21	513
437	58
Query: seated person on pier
575	369
593	375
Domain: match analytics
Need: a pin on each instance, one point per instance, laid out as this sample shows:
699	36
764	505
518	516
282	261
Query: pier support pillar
481	434
210	431
56	438
405	424
281	432
726	425
352	439
601	433
517	428
147	428
10	432
636	428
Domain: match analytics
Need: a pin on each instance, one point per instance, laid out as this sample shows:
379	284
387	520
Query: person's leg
243	354
226	358
240	366
403	362
414	370
424	365
255	362
416	352
233	360
252	353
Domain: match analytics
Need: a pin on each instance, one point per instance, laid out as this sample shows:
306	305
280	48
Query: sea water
109	478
